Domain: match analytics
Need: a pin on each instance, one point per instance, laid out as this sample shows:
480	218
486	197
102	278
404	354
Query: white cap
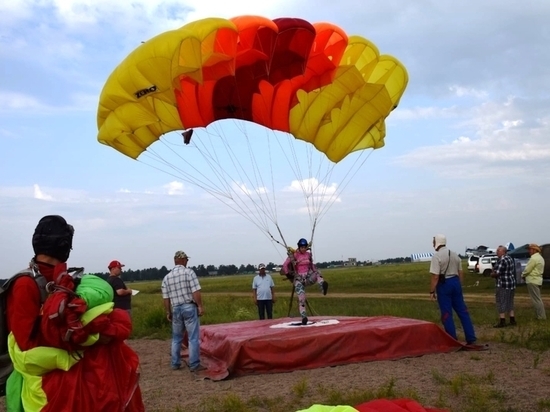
440	240
261	266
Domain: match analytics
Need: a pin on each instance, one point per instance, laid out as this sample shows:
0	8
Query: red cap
115	264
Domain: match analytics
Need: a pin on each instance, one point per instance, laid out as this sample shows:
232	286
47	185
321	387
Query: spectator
123	295
505	282
181	293
446	287
533	278
263	293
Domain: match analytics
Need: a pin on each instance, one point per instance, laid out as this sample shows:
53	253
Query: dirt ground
515	379
518	378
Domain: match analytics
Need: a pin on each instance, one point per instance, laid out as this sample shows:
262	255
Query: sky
467	151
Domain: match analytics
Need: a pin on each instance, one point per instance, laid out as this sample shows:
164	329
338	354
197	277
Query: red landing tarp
284	345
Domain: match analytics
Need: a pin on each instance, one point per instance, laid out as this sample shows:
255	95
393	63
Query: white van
485	264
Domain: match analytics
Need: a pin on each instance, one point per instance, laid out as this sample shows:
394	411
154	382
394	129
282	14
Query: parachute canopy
310	80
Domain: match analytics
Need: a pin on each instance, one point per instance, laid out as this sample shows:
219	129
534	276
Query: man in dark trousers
123	295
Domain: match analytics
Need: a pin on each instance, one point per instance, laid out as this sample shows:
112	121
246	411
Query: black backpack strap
37	276
5	286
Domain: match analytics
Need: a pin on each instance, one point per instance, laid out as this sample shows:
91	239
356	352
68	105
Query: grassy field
395	290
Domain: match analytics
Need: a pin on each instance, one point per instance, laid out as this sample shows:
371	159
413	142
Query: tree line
225	270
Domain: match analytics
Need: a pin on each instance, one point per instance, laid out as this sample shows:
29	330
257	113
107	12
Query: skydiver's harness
291	276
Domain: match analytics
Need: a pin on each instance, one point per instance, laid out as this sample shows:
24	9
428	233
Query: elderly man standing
504	274
446	287
263	293
533	278
181	293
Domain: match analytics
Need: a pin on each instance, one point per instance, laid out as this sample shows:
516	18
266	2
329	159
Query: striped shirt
179	284
506	271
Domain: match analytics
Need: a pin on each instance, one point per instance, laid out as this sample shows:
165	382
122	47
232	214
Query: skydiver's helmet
53	237
302	242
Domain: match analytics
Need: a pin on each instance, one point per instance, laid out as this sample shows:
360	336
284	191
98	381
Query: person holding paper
123	295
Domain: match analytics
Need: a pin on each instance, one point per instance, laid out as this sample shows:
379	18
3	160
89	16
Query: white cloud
242	189
38	194
508	141
414	113
18	101
311	186
26	103
174	188
462	91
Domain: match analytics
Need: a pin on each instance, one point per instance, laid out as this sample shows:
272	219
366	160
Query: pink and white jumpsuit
306	274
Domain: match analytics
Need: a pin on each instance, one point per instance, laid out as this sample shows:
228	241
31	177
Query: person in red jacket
107	366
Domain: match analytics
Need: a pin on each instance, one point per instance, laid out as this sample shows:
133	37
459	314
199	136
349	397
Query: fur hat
535	247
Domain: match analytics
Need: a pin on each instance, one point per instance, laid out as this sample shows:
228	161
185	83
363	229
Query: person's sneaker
175	368
325	287
500	325
304	320
513	323
199	368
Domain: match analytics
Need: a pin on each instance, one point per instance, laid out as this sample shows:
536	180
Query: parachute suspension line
224	196
236	192
182	175
273	197
312	235
258	183
353	170
294	163
316	186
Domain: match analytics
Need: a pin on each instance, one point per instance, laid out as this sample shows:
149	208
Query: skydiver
101	360
300	263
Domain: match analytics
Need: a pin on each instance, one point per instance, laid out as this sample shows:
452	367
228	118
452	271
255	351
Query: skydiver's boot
325	287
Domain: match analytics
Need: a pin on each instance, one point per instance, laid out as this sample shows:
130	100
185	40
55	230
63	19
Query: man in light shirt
263	293
533	278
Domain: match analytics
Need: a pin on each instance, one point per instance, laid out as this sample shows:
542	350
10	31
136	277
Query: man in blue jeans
446	287
181	293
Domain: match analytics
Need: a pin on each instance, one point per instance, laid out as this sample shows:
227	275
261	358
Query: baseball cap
261	266
115	264
180	254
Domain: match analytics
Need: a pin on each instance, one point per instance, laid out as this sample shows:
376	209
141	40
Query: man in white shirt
263	293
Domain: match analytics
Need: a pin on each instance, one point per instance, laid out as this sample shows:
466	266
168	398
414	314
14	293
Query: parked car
485	264
472	260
